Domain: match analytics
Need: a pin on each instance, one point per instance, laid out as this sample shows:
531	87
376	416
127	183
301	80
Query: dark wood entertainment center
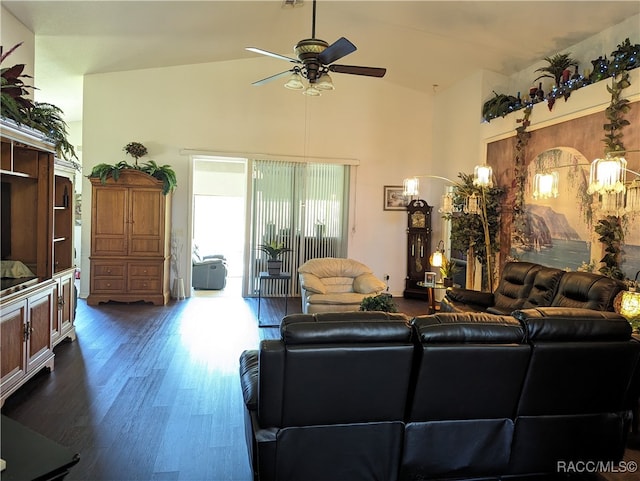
37	295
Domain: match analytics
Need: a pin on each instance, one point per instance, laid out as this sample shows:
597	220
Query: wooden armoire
130	239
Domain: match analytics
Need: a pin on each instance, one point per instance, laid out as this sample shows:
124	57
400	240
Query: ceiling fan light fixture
312	91
294	82
324	82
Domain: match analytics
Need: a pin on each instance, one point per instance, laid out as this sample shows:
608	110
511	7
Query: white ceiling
421	43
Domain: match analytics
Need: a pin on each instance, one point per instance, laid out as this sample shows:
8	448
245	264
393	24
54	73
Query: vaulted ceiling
421	43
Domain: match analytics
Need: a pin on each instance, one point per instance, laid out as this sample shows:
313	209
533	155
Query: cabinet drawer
108	270
108	285
144	285
144	270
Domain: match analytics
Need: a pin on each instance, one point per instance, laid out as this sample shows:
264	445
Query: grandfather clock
418	247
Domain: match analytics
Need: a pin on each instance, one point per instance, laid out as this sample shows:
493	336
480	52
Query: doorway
219	200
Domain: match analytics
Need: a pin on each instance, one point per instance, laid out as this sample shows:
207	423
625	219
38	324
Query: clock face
418	220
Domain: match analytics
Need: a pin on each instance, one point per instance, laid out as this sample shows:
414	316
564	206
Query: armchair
209	272
331	284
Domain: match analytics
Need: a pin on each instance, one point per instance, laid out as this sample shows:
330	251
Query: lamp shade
545	186
436	259
324	82
311	91
294	82
483	176
473	204
607	175
410	186
633	197
447	203
630	305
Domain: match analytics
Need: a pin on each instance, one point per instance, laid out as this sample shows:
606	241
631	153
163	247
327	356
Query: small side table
432	294
283	276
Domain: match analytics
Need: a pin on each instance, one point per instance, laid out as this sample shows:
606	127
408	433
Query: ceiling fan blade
273	77
354	70
271	54
336	50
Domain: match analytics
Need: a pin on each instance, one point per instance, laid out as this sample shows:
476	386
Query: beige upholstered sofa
332	284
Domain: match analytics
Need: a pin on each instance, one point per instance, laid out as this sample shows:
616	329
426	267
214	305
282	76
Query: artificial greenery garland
135	149
625	57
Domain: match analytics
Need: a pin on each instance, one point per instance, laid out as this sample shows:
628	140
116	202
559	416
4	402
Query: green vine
520	178
612	236
615	114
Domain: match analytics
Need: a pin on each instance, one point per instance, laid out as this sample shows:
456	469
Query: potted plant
447	270
44	118
136	150
381	302
557	65
274	250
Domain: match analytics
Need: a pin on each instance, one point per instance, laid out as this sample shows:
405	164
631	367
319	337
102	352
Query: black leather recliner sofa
369	396
525	285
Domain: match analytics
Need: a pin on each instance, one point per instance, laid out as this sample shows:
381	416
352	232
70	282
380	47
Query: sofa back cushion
515	285
338	369
587	290
545	286
582	361
334	267
471	366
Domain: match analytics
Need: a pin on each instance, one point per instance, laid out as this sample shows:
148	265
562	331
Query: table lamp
630	302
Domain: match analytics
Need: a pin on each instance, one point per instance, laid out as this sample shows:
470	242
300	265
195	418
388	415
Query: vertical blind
302	205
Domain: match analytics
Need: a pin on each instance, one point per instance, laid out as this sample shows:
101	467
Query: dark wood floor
152	393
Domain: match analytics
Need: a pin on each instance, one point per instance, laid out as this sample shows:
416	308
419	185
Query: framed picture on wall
394	198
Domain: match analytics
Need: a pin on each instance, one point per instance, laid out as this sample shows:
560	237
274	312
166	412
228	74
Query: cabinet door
63	318
39	321
12	352
109	221
146	222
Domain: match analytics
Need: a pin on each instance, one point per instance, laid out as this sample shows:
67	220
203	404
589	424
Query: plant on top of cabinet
41	116
557	65
136	150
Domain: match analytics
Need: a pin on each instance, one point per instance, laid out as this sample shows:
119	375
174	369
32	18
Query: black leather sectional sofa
375	396
525	285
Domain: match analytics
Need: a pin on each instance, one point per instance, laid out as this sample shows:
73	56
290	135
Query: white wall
13	32
213	107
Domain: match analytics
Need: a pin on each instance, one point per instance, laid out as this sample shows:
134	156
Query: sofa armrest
249	378
312	283
469	296
368	284
214	256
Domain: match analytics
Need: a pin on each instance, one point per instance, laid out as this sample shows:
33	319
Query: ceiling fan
314	61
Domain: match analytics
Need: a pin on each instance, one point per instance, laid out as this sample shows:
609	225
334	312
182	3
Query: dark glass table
29	456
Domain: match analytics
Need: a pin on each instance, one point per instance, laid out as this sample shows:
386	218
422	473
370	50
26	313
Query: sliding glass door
303	206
